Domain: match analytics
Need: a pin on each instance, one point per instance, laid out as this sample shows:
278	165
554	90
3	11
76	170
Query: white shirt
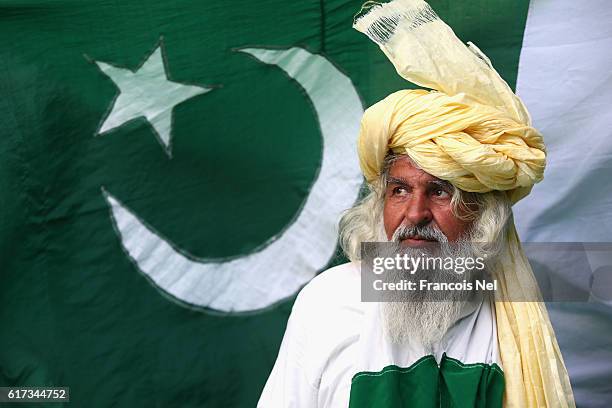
331	336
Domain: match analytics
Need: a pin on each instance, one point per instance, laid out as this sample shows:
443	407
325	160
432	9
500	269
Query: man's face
416	198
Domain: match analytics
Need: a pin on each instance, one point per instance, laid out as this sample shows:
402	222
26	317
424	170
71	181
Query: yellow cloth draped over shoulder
473	131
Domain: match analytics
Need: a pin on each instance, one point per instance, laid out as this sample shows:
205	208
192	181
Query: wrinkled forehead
402	170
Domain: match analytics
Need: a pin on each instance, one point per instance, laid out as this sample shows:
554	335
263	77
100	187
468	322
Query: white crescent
290	259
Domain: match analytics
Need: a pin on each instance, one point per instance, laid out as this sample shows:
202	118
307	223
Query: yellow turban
476	147
473	131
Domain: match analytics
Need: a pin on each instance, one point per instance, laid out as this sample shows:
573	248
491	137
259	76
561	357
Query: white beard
423	323
425	317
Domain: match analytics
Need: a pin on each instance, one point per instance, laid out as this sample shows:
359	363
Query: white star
147	93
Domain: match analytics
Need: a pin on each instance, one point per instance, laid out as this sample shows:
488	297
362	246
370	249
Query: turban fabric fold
474	132
476	147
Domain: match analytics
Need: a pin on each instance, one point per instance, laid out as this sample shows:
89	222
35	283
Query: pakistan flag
172	173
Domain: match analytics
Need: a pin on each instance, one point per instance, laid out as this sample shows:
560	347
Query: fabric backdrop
171	173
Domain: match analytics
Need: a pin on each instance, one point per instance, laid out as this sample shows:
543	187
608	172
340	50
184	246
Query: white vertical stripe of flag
565	79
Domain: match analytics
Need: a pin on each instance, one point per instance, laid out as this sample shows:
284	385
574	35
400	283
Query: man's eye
439	192
399	191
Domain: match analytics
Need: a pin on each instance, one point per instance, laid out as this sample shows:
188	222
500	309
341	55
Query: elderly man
442	166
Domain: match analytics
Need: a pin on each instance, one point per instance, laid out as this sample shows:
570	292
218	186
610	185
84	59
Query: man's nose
417	211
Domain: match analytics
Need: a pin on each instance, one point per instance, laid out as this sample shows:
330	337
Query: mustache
428	232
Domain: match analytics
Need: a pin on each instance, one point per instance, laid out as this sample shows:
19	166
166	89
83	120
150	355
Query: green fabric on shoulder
425	384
